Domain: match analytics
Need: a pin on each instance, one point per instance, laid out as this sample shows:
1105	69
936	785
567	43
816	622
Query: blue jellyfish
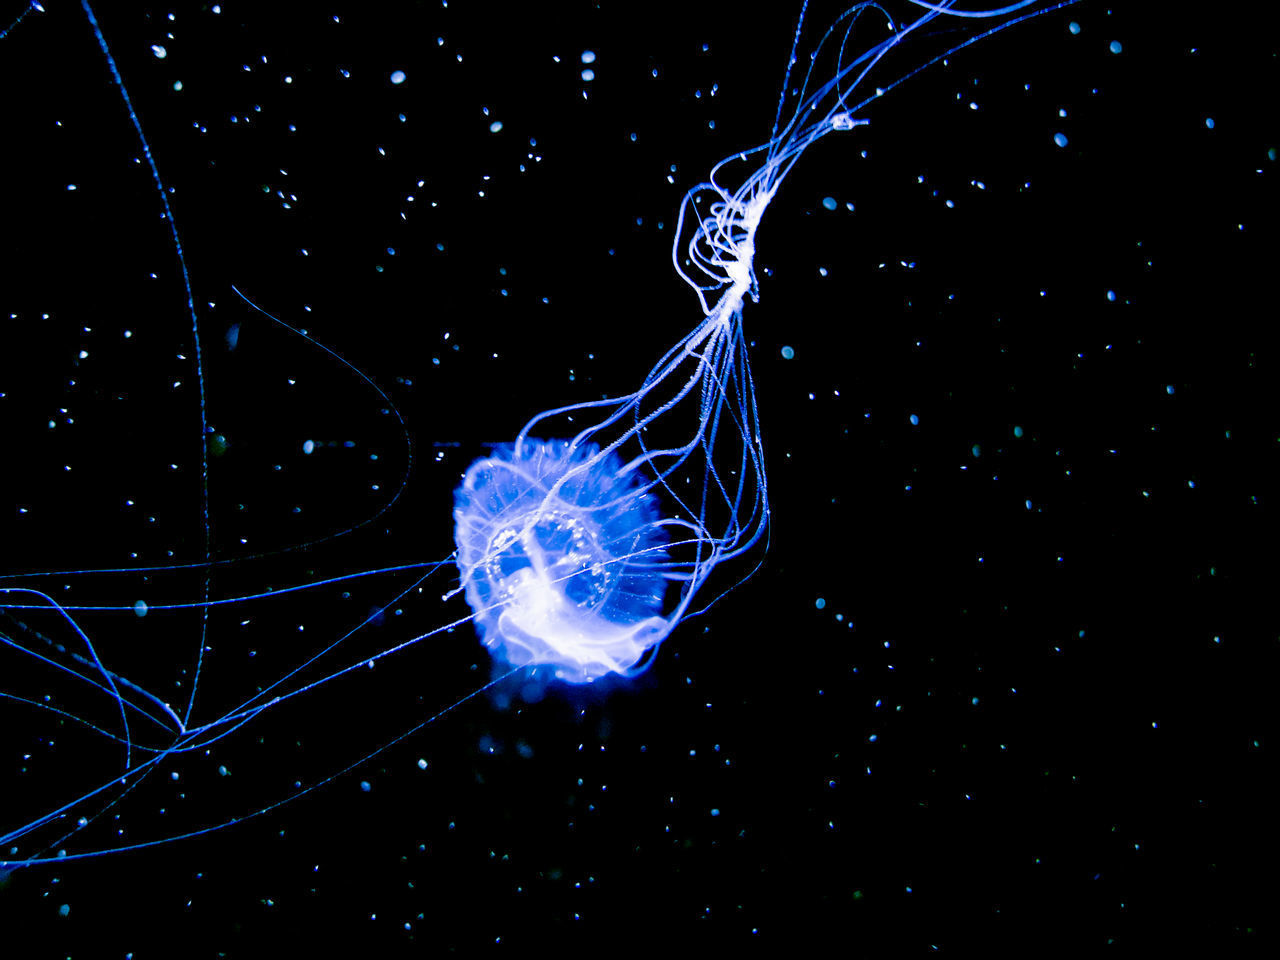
583	554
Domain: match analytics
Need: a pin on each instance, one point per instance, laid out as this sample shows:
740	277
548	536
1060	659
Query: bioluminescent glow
580	545
709	471
563	566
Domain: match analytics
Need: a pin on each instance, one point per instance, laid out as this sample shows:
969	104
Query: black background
1035	705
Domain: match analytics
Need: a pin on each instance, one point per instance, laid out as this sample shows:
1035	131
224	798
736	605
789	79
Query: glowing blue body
561	558
709	469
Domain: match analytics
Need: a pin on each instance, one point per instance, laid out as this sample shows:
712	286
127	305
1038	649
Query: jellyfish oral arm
539	608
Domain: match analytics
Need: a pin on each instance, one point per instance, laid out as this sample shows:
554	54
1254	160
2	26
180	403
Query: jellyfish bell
561	554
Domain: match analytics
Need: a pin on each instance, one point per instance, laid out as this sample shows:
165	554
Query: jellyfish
580	546
583	554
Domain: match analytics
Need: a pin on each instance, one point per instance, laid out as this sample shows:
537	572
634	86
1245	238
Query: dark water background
1034	705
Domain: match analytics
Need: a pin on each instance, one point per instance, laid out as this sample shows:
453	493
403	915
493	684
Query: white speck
397	77
159	51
